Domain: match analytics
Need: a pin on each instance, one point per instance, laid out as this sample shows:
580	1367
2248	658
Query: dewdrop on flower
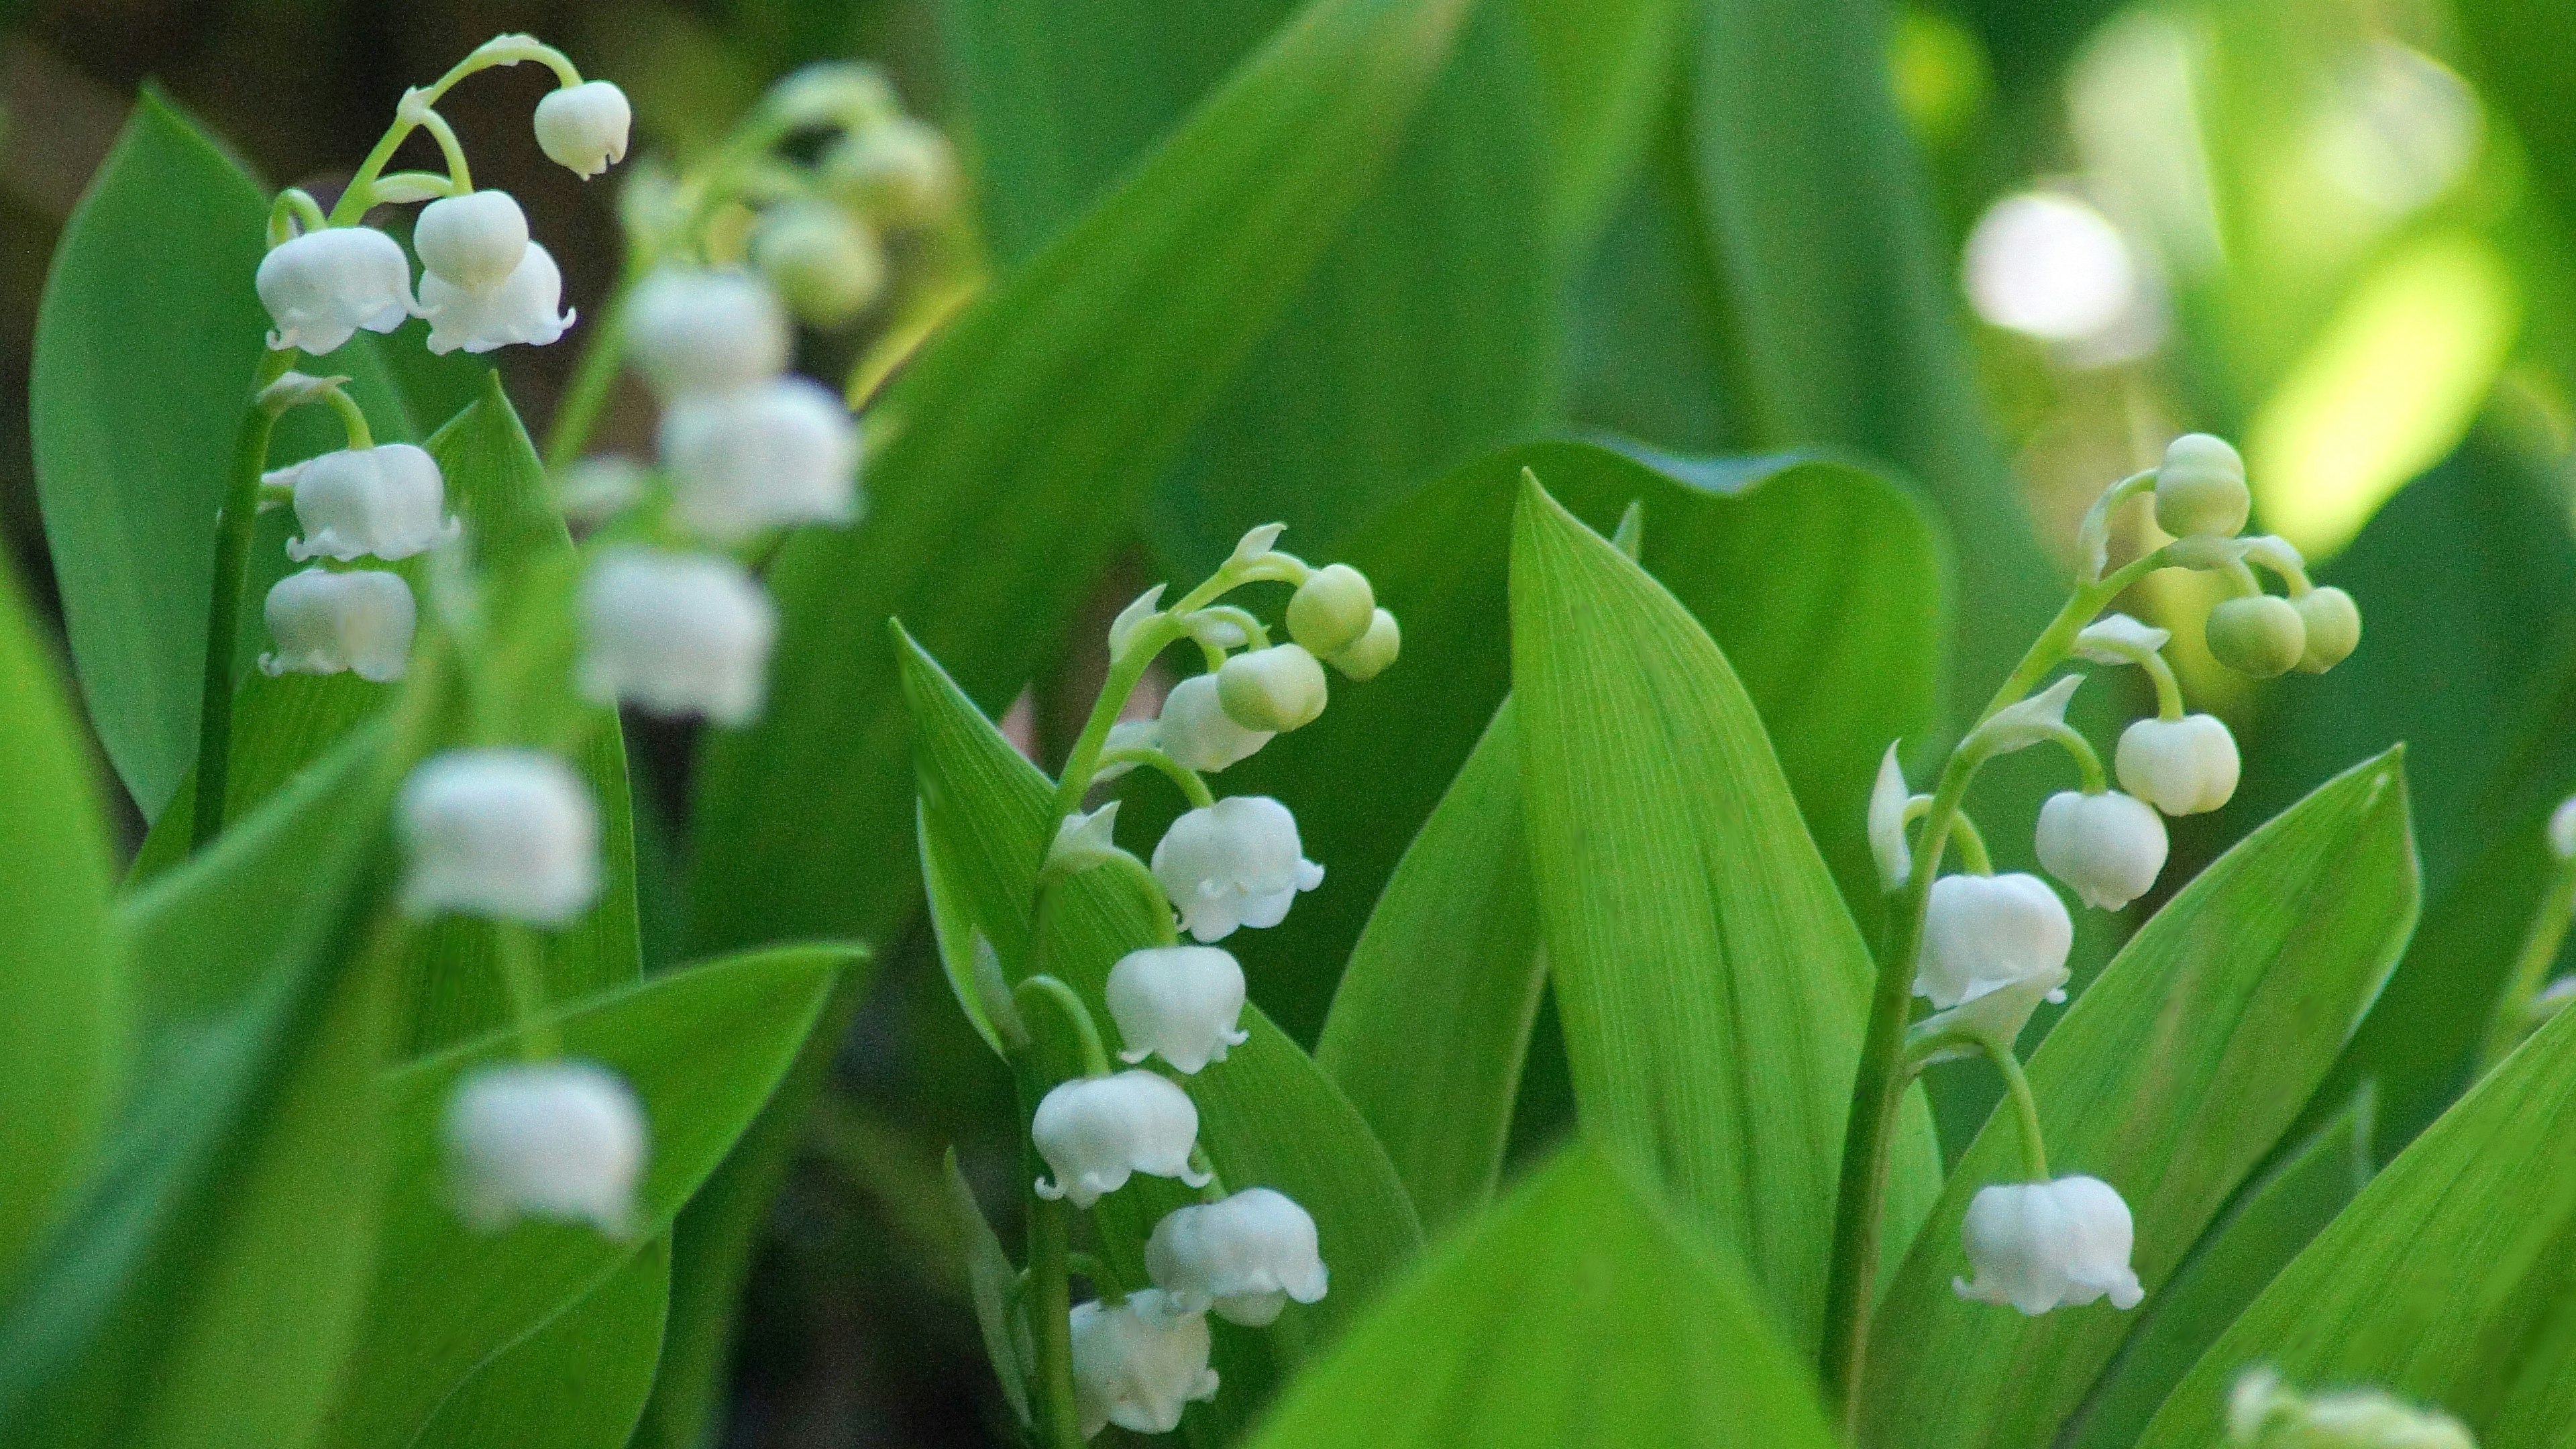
827	268
2264	1413
1137	1363
676	634
2044	1245
322	287
358	622
1181	1002
558	1141
2107	847
1279	688
1235	863
583	128
509	834
691	331
2180	766
1197	732
781	452
388	502
473	242
1242	1258
1096	1132
1984	932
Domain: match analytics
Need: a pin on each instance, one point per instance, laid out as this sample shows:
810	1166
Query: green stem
1125	673
458	173
353	419
1050	1315
523	978
1165	934
1972	845
1068	1004
2540	943
1200	797
2034	1145
603	350
234	529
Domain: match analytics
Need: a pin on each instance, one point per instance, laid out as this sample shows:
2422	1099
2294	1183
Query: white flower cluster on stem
364	501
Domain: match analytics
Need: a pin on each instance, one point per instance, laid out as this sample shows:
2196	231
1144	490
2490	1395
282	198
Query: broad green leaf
2446	1281
208	1279
1574	1315
1454	940
64	1048
991	1284
2237	1258
1649	354
578	1382
2171	1078
703	1047
1606	68
1713	988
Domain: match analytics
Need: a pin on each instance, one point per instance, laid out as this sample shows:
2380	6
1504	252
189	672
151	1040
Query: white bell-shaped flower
2044	1245
511	834
386	501
471	242
321	287
2107	847
1138	1363
1244	1257
1199	733
2180	766
1998	1016
1096	1132
691	331
676	634
781	452
1235	863
360	622
583	128
1181	1001
826	267
561	1141
1983	932
520	310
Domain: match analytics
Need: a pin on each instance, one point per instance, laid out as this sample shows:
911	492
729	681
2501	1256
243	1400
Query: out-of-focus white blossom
1182	1002
387	501
676	634
691	331
899	172
1137	1363
360	622
1096	1132
777	453
2264	1413
510	834
2044	1245
322	287
559	1141
1235	863
1243	1257
826	267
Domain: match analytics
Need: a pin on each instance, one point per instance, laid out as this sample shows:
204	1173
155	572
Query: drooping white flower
826	267
1199	733
561	1141
2107	847
520	310
780	452
1331	610
583	128
510	834
323	622
321	287
676	634
2180	766
1243	1257
691	331
1888	848
1235	863
1084	841
1138	1363
1278	688
899	172
473	242
2044	1245
1096	1132
1982	932
1368	656
2264	1413
387	501
1181	1001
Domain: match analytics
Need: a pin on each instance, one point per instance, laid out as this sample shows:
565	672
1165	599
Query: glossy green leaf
2171	1078
1712	986
703	1047
64	1048
1574	1315
2446	1281
991	1284
1454	940
579	1381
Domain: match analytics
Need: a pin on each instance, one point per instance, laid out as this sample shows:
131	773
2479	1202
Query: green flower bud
898	174
826	267
1278	688
2263	1413
2261	636
2334	627
1331	610
2201	488
1368	656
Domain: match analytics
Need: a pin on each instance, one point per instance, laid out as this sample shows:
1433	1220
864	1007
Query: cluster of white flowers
387	503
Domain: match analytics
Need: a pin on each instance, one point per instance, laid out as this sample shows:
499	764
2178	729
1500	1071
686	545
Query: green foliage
579	1381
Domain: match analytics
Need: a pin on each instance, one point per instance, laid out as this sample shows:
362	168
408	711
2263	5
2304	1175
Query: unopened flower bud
558	1141
1235	863
2107	847
2180	766
1367	657
510	834
2200	489
1198	732
2044	1245
899	172
2333	625
2264	1413
520	310
780	452
2261	635
833	93
387	501
1275	689
1180	1001
1888	848
1096	1132
1138	1363
1243	1257
471	242
676	634
691	331
359	622
321	287
826	267
583	128
1984	932
1331	610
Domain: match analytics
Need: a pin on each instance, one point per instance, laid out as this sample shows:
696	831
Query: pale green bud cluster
2202	500
2264	1413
